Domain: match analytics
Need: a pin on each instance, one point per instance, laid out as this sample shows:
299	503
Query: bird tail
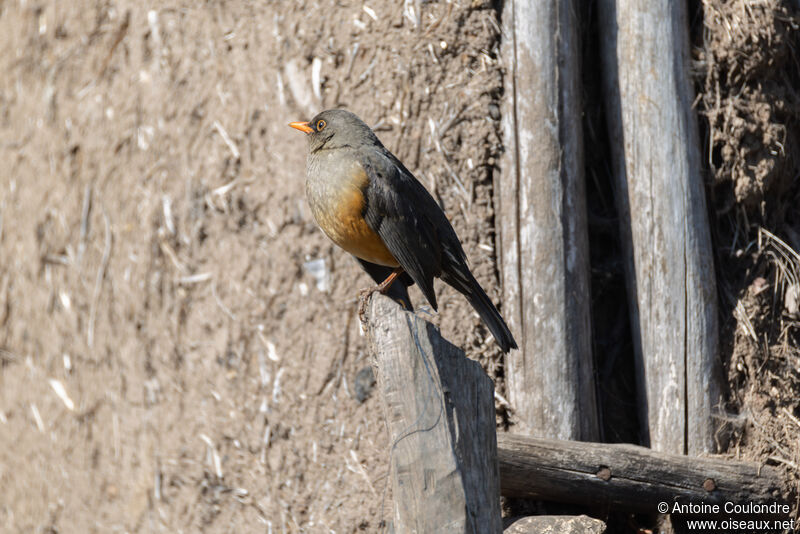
466	284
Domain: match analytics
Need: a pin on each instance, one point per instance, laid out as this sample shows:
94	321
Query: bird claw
365	294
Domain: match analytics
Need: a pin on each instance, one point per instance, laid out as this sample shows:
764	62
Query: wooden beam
661	203
626	477
541	213
439	408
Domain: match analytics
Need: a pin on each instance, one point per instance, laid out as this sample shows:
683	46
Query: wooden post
661	202
439	409
542	223
627	477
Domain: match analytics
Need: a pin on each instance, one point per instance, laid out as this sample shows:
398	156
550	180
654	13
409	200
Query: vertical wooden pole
660	197
439	408
542	223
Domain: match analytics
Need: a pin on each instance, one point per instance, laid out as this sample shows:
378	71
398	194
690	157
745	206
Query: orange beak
302	126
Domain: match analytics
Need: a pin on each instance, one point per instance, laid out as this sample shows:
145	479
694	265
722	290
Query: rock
364	384
556	524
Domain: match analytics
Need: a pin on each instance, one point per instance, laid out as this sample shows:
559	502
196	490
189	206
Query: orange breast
339	212
349	230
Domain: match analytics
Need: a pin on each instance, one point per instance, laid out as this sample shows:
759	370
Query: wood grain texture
439	408
661	203
542	223
626	477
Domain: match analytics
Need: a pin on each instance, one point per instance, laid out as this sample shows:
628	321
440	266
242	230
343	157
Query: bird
369	204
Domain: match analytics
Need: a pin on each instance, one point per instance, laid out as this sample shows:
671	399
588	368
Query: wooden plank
661	202
439	409
626	477
542	228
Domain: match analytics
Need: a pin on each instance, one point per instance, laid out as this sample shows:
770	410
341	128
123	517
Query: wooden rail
543	246
448	467
664	225
626	477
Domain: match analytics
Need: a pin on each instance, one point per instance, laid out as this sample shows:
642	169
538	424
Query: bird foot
365	294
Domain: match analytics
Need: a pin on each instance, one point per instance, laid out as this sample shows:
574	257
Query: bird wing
405	216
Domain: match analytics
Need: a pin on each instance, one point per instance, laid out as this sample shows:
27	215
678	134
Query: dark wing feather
452	251
417	233
398	209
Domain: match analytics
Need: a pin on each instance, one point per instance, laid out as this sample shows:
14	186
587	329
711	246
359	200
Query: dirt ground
178	341
177	338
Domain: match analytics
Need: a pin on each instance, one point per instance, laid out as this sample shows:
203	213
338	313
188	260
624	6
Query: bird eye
321	124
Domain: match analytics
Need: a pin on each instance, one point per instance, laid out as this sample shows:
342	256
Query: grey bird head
336	128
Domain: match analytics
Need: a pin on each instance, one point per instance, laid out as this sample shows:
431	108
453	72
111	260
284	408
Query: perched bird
369	204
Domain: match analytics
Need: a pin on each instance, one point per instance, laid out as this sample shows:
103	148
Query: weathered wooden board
626	477
542	228
661	202
439	408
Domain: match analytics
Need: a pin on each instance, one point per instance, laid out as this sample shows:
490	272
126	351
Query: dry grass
750	69
749	99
